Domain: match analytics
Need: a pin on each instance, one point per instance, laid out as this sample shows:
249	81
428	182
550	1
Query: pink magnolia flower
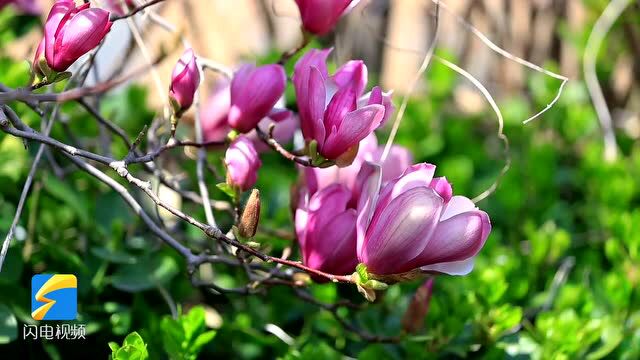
30	7
254	92
320	16
397	161
326	204
326	230
71	32
415	223
118	6
184	80
215	126
242	162
328	105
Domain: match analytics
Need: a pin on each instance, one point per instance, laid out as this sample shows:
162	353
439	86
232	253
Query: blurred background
559	275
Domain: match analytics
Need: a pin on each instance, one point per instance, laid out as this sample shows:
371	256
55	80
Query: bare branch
600	29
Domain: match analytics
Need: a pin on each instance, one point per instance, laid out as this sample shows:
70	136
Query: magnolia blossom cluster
392	216
357	203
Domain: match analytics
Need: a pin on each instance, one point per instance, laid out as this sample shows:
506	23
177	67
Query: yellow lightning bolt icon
56	282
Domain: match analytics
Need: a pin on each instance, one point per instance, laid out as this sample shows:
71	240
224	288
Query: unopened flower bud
320	16
72	31
250	216
413	319
254	92
184	82
242	163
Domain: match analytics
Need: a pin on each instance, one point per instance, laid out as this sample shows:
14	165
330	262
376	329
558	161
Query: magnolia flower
29	7
71	32
242	163
326	204
254	92
328	105
320	16
184	81
215	126
413	222
326	230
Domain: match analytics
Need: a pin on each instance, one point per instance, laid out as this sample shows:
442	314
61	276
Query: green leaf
361	269
133	348
183	338
13	158
61	76
202	340
114	256
375	285
146	274
227	189
8	325
62	191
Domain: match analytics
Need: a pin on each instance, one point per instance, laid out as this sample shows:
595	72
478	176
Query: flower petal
332	248
320	16
352	74
452	268
368	182
254	92
84	31
213	115
400	231
355	126
327	202
342	103
442	187
457	205
313	127
418	175
456	239
398	160
384	99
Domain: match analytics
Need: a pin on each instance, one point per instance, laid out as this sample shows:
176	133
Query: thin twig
135	11
275	145
496	110
201	161
600	29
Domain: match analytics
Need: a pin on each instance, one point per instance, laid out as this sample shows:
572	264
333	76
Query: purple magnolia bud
254	92
242	162
184	81
328	105
320	16
71	32
408	224
326	230
29	7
